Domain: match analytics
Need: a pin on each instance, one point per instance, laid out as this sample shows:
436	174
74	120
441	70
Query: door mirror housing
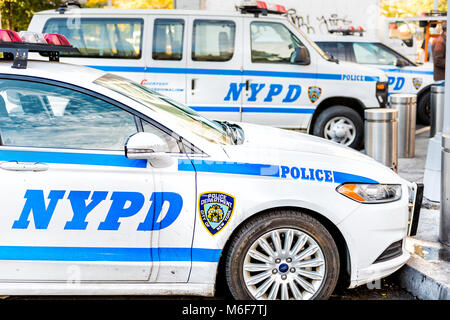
300	56
400	63
148	146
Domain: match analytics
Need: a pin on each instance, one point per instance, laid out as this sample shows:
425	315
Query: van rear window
100	37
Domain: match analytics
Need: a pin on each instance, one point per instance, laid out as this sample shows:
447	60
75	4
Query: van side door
166	56
214	80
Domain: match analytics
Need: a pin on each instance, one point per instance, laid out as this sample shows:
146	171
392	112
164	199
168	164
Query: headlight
371	193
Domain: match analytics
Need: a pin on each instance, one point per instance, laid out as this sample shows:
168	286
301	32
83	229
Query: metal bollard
436	109
405	104
444	225
381	136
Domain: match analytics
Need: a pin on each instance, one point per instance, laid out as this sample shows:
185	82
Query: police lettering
123	205
269	92
309	174
353	77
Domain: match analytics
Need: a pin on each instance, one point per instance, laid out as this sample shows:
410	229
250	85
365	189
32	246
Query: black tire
424	109
341	111
278	220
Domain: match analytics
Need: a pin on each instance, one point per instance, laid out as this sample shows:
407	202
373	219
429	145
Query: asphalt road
385	289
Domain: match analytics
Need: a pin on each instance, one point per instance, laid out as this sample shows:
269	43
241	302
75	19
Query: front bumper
378	233
379	270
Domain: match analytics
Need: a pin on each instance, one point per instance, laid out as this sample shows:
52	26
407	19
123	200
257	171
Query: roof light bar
56	39
349	31
32	37
16	46
260	7
9	36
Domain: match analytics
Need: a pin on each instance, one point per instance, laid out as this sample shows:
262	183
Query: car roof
64	72
340	38
141	12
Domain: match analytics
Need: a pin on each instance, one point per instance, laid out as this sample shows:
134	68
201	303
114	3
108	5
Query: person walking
439	55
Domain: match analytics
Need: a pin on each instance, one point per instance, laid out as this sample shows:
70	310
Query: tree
17	14
402	8
132	4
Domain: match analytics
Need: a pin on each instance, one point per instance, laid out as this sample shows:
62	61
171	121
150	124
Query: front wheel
340	124
282	255
424	109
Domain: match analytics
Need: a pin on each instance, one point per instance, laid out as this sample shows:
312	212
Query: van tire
278	221
424	109
336	112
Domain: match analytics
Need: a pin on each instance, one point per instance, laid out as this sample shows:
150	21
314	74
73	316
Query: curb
424	280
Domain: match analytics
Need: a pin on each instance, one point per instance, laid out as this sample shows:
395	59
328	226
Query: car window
337	49
172	145
272	43
100	37
168	39
372	53
213	40
40	115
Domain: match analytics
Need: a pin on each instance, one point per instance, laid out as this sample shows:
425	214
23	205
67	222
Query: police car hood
351	68
265	140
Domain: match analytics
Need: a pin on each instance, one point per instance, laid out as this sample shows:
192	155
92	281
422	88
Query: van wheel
282	255
424	109
340	124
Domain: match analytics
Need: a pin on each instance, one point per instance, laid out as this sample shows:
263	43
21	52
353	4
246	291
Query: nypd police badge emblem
215	209
314	93
417	83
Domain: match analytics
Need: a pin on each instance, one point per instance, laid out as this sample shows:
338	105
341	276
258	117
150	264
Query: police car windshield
183	116
311	43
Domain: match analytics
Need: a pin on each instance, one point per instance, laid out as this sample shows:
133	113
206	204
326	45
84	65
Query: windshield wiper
332	58
233	131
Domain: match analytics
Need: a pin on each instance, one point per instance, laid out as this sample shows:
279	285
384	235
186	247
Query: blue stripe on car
44	253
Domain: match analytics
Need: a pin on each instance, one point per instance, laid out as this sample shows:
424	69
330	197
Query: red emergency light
56	39
261	4
9	36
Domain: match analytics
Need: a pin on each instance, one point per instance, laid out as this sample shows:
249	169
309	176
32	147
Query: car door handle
23	166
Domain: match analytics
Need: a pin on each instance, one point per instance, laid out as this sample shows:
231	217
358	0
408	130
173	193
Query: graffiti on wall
324	24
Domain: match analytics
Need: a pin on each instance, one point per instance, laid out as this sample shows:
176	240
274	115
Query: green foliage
132	4
16	14
409	8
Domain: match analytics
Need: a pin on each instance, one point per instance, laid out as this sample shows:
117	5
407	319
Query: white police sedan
109	188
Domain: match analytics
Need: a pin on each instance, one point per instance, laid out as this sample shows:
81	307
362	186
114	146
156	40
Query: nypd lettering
123	205
396	83
266	93
215	210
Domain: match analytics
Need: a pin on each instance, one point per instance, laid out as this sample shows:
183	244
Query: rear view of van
243	67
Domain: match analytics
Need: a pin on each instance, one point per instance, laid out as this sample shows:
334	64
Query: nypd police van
111	188
251	66
404	75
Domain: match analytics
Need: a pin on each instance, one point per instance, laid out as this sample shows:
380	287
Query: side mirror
145	145
408	42
300	56
400	63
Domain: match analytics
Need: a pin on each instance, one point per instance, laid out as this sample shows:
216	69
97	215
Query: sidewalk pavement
427	273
